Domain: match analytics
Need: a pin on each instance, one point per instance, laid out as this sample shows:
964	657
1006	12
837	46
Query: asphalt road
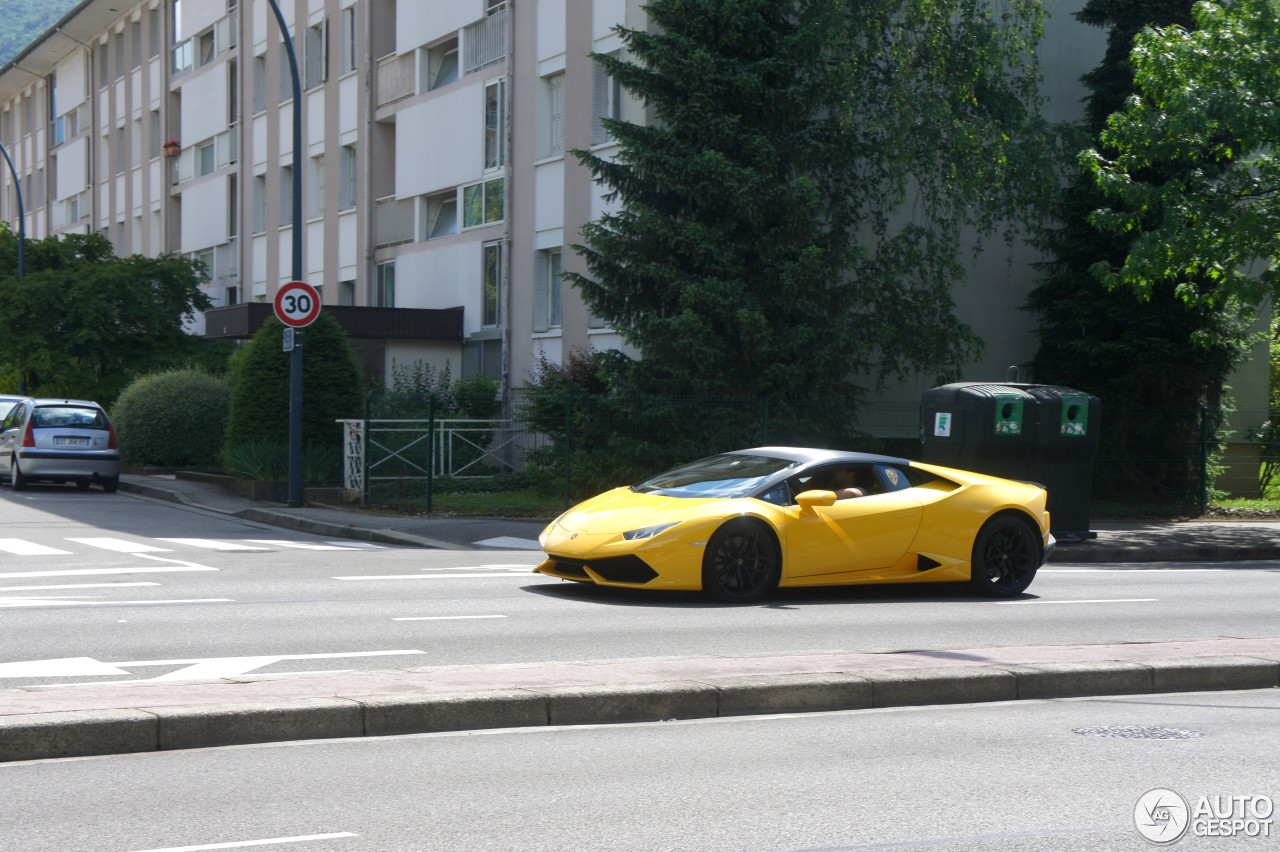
1030	775
100	589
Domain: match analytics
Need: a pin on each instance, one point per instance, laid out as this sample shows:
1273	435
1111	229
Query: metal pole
295	362
22	243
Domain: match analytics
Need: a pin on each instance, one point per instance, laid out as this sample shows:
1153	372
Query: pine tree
790	215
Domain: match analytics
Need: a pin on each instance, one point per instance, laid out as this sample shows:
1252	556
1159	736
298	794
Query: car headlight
648	532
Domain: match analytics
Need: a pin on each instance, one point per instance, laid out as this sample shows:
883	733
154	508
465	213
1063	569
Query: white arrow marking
69	667
506	542
195	669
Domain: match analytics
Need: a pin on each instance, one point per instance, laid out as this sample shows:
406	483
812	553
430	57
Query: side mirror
809	499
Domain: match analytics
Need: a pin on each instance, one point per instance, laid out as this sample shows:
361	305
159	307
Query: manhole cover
1138	732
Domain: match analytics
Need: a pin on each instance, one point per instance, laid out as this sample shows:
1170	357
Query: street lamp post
295	357
22	244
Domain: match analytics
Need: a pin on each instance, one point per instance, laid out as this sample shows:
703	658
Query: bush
267	460
331	387
175	418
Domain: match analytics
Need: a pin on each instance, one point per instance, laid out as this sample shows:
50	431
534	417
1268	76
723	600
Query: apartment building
439	197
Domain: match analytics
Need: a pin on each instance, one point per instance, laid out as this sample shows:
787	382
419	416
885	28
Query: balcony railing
485	40
226	261
393	221
395	78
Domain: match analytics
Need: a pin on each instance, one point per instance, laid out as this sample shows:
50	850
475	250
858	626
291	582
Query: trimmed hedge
174	418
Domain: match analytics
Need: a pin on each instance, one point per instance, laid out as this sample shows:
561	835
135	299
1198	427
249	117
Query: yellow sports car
740	524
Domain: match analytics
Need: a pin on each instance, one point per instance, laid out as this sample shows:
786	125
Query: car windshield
68	416
729	475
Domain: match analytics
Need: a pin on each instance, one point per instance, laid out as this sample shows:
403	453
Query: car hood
622	510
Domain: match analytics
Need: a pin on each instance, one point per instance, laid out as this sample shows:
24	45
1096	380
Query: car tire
1006	555
742	562
82	484
16	477
111	484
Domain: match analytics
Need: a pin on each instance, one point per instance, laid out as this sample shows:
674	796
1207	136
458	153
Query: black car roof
807	455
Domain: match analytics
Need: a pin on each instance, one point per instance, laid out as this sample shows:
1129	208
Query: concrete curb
101	732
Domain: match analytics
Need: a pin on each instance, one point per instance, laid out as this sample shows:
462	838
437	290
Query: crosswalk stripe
18	547
119	545
212	544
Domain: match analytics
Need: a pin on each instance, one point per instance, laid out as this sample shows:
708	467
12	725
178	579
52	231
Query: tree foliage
22	21
83	322
789	221
1197	144
331	388
1152	358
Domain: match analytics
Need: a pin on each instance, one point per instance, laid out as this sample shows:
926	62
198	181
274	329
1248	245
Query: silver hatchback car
59	440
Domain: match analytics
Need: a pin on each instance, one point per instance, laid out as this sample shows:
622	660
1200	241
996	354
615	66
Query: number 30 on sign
297	304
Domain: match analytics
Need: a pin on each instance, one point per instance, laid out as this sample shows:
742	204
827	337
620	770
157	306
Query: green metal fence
546	454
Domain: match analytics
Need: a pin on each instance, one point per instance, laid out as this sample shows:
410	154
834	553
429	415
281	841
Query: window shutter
599	105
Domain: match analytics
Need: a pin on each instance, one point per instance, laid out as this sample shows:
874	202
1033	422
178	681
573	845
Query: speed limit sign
297	304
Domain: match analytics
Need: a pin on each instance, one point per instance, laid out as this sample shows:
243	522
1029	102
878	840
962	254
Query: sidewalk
38	723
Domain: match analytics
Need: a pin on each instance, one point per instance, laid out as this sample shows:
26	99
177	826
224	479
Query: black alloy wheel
741	564
1006	556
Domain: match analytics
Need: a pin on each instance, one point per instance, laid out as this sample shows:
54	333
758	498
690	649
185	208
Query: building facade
440	199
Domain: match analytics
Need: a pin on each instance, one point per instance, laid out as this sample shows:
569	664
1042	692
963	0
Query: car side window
893	478
14	418
778	495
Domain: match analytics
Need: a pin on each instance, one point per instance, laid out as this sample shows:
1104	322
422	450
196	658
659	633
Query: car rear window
68	417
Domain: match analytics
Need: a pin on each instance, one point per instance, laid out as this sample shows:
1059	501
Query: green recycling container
1039	433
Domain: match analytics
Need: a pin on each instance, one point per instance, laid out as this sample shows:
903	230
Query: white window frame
495	124
486	189
491	284
316	69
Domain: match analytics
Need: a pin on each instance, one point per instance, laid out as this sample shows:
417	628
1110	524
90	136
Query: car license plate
71	442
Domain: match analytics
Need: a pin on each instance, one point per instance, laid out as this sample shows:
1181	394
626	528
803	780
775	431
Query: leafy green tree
1153	359
791	217
331	388
84	323
1207	98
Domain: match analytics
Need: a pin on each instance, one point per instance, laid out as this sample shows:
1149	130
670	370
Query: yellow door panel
857	534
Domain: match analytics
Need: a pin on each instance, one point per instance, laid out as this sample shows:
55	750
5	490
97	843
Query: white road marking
240	844
69	667
84	572
1134	570
357	545
506	542
477	575
213	544
301	545
18	547
18	603
445	617
193	669
119	545
1112	600
72	586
